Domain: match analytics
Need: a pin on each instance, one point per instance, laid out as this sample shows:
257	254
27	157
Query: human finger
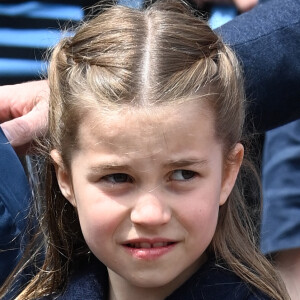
23	130
19	99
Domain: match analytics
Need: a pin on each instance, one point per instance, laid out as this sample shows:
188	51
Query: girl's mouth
146	250
148	245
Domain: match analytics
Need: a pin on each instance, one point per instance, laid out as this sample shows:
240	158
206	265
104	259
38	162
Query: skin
24	112
145	176
288	264
245	5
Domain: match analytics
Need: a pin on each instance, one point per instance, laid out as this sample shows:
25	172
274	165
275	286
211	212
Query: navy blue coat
210	282
14	195
267	41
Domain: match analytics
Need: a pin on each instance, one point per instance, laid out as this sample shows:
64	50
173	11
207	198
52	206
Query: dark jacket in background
267	42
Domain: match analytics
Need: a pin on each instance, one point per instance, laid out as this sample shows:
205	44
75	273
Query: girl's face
147	185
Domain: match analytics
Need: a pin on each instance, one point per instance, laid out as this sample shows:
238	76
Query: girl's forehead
150	129
150	116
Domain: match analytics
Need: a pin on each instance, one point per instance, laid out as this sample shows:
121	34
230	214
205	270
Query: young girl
140	198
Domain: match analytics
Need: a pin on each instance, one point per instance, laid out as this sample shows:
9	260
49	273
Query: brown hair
137	58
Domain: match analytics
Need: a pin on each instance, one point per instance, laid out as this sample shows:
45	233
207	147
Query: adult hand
24	112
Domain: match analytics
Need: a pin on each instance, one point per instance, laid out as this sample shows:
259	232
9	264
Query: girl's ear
231	170
63	177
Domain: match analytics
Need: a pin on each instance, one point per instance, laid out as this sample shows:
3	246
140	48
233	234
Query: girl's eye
117	178
181	175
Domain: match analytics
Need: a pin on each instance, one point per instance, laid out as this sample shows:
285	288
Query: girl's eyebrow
109	167
185	162
114	166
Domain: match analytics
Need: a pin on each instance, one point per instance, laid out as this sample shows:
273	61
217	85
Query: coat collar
212	281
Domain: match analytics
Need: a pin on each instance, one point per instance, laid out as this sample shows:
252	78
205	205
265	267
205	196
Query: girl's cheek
101	218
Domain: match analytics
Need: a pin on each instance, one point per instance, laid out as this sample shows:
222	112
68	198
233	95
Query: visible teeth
161	244
144	245
148	245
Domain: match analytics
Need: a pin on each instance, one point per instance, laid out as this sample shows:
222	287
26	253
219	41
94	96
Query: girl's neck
119	289
135	293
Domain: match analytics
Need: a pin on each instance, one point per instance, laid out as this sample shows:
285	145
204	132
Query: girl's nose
149	210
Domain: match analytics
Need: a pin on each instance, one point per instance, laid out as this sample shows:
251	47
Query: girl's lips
148	250
148	244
